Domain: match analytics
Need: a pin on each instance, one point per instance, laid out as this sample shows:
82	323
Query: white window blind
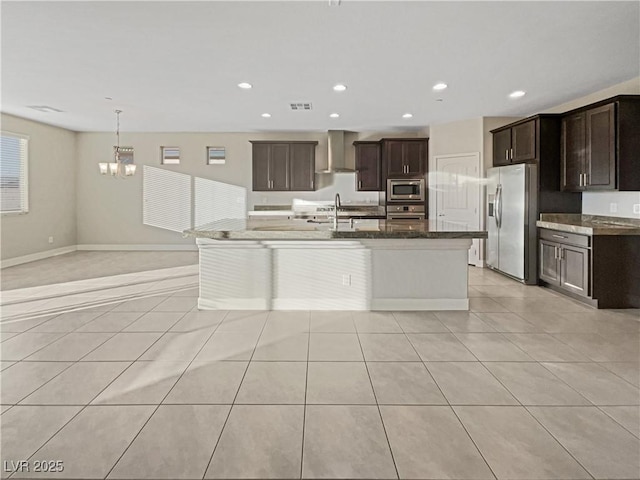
170	155
167	199
14	192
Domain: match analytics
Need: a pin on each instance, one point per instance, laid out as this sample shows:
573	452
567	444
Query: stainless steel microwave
405	190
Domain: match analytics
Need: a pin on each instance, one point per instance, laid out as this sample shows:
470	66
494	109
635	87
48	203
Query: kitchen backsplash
342	183
611	204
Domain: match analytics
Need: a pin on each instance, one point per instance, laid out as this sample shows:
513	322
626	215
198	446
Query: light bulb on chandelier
119	167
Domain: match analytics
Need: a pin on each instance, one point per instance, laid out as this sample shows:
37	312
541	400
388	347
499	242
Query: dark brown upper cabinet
283	166
600	145
368	166
515	143
536	140
302	166
405	157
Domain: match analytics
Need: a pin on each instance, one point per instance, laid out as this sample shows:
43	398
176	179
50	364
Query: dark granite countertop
300	229
589	224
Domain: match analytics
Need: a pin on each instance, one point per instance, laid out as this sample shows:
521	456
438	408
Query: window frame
25	167
219	160
172	160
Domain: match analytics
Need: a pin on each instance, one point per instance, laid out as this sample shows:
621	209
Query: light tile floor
527	385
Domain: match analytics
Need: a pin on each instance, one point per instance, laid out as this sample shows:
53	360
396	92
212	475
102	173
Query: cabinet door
413	157
394	157
574	269
523	142
368	174
549	262
501	147
303	166
260	171
279	167
600	151
573	146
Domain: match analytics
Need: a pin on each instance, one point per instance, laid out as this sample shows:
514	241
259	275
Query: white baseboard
136	247
10	262
420	304
234	304
319	304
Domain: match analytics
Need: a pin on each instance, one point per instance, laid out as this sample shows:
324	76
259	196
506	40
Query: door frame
433	198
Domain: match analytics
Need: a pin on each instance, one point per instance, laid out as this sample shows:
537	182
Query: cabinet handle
580	180
555	253
511	153
506	155
561	252
359	184
586	180
558	236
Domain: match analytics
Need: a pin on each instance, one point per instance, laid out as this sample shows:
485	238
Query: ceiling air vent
301	106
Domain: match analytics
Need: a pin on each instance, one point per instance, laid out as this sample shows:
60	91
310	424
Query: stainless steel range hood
335	154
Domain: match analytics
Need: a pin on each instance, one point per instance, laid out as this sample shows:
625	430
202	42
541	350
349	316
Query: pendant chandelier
117	168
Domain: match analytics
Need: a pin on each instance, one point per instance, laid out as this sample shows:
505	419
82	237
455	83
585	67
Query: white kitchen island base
362	274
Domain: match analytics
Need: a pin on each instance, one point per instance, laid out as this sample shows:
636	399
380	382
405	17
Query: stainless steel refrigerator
512	210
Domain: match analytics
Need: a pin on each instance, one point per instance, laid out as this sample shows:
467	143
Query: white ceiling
174	66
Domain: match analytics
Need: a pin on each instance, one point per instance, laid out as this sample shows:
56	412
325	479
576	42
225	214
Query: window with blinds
14	194
170	155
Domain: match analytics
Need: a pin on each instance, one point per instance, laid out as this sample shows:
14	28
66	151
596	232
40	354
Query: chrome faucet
336	205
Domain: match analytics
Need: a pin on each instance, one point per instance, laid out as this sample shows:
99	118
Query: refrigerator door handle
498	206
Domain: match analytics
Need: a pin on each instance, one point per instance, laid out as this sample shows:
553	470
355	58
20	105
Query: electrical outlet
613	207
50	239
346	280
636	208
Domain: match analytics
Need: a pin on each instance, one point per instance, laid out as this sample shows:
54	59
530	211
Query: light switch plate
636	208
613	207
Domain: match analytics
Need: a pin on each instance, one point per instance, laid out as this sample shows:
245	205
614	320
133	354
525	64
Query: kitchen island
296	264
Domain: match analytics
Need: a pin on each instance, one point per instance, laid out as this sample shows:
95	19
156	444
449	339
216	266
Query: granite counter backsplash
589	224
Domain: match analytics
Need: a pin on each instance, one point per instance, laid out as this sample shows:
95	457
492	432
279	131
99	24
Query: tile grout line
615	374
375	397
306	385
233	402
559	442
612	418
92	399
166	395
448	402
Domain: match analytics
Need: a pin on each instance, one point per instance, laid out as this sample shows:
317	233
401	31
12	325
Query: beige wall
52	191
110	211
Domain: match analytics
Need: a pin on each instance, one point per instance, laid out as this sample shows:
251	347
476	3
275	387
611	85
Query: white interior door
458	189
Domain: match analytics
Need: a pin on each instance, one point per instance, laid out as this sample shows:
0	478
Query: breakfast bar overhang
360	265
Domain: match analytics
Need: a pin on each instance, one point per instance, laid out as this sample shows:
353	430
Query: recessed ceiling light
334	115
440	86
407	115
266	115
245	85
108	98
517	94
339	87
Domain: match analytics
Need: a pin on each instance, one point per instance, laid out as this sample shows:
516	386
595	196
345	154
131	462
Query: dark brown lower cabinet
600	270
574	269
565	266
